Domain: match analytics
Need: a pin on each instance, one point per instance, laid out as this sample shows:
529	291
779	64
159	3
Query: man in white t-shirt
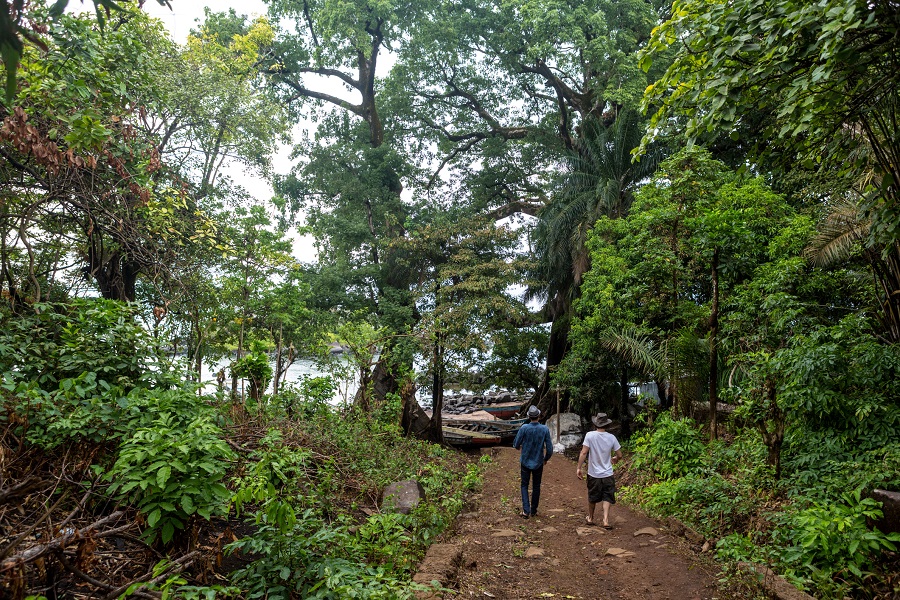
598	448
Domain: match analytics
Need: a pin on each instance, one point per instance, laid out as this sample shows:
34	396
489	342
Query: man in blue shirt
534	441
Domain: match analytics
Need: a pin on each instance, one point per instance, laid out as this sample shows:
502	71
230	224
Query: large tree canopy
825	73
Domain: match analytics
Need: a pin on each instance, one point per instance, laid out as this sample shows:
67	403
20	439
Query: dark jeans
534	474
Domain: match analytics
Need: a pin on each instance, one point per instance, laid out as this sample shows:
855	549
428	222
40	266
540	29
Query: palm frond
635	347
843	227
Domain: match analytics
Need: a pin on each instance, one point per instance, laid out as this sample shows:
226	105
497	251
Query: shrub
171	470
63	341
254	367
672	448
316	559
823	541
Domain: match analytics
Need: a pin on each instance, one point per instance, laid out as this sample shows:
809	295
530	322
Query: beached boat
505	429
463	437
502	411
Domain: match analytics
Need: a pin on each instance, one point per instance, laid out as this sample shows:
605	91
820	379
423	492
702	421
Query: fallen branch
57	543
181	563
21	489
27	532
95	582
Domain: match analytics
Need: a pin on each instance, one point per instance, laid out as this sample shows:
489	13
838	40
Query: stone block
402	496
890	506
774	584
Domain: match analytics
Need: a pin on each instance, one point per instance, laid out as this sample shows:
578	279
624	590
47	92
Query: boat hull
465	438
502	411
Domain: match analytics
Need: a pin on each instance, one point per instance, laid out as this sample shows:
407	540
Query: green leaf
168	531
162	476
153	518
187	504
11	58
58	8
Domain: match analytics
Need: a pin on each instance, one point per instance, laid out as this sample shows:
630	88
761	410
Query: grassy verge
813	526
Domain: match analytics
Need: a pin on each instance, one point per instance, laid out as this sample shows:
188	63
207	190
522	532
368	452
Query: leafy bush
316	559
712	504
672	448
70	372
171	470
821	462
309	398
63	341
256	368
309	541
272	481
824	541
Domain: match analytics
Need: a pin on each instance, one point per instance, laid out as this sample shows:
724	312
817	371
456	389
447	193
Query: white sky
185	13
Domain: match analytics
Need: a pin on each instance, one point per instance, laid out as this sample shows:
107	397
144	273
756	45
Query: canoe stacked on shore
463	437
480	433
502	411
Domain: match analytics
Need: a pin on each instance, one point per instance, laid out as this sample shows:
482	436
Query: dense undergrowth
173	492
814	525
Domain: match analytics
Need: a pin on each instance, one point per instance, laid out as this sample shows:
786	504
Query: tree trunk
665	400
116	277
413	419
714	351
435	431
624	418
773	439
278	349
556	350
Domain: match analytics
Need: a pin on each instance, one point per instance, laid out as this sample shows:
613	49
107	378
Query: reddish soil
557	555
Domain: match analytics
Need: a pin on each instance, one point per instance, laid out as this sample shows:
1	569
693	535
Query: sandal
524	515
588	521
607	527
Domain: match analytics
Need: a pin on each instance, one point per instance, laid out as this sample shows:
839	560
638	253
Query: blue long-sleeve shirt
534	440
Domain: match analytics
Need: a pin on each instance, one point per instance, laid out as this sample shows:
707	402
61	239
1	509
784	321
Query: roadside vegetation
576	199
194	495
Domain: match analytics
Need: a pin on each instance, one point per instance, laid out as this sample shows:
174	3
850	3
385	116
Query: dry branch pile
61	536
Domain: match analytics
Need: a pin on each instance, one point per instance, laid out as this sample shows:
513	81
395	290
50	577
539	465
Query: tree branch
305	92
40	550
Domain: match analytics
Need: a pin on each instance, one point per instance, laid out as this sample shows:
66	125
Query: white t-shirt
601	446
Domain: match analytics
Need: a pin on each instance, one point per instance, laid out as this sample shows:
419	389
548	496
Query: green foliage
270	482
806	524
712	503
317	390
841	378
255	367
308	542
310	397
83	371
55	341
671	449
825	541
171	470
814	74
316	559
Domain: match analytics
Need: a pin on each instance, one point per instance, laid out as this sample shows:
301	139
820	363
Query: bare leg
591	506
605	506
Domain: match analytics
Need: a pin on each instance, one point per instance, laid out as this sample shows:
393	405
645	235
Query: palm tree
846	227
679	360
599	179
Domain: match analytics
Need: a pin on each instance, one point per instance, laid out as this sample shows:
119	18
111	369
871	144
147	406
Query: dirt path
556	555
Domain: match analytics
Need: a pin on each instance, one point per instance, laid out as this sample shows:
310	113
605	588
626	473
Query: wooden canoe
507	430
502	411
463	437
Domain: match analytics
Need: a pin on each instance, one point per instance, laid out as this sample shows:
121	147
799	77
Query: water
345	385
